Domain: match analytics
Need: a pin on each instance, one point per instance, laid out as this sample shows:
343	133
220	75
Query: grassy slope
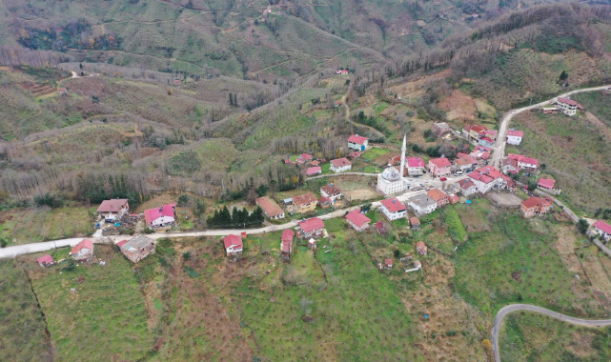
22	331
39	224
107	303
575	154
516	261
533	337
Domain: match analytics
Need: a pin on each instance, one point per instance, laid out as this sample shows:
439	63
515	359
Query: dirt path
349	120
500	316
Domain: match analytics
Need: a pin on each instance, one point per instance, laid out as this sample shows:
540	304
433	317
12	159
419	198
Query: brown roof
436	194
414	221
331	190
534	202
304	199
114	205
269	207
340	162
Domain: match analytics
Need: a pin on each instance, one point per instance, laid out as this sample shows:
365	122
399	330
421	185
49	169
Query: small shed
421	248
382	228
45	261
415	223
312	244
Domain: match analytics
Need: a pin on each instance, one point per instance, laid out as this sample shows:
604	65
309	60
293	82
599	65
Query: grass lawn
533	337
456	229
106	302
22	331
373	153
516	261
326	168
38	224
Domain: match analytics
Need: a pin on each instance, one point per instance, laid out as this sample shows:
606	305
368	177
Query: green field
533	337
94	300
22	331
40	224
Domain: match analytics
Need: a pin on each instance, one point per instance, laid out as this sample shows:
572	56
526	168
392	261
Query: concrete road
499	146
500	315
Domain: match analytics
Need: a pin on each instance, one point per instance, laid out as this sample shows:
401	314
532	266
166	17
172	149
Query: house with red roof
524	163
325	202
342	71
313	171
357	220
514	137
303	158
567	105
440	197
466	130
270	208
233	245
491	134
440	166
341	165
83	251
463	164
160	216
536	206
510	165
45	261
421	248
381	228
467	187
358	143
480	153
546	184
486	141
477	131
415	223
415	166
388	263
393	209
310	228
305	203
487	178
113	210
331	191
286	244
603	229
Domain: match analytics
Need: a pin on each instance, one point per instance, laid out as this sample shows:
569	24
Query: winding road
499	146
500	316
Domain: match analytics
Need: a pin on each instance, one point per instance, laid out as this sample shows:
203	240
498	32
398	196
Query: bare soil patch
566	248
504	199
458	106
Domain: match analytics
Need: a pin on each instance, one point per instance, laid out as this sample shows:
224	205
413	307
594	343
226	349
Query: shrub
53	201
183	200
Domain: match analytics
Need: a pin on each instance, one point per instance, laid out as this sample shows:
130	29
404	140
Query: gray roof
422	200
138	243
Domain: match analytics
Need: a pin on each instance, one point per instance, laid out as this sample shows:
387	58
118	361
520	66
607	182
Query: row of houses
115	210
302	204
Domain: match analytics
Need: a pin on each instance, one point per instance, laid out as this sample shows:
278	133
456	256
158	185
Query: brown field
458	106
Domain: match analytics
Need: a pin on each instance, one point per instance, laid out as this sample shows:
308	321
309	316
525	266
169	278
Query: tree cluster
224	219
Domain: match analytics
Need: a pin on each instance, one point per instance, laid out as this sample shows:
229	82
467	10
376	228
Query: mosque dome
391	174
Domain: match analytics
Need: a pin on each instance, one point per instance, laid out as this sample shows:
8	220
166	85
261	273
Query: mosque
391	181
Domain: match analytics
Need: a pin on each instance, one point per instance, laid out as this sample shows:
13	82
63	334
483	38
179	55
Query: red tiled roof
313	170
514	133
312	224
287	235
151	215
606	228
467	128
232	240
485	174
114	205
305	156
331	190
388	262
84	244
46	259
479	128
414	221
436	194
440	162
393	205
454	199
487	139
420	245
304	199
530	161
322	200
534	202
357	139
490	132
121	243
485	155
415	162
465	184
269	207
547	183
340	162
568	101
357	218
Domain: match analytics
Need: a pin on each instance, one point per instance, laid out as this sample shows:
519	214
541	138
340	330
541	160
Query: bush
3	243
148	231
53	201
582	226
183	200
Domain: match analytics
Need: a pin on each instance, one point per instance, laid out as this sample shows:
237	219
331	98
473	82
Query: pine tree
564	75
230	99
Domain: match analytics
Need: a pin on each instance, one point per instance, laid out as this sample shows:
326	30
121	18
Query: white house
161	216
603	229
113	210
422	204
233	245
415	166
467	187
83	251
341	165
332	192
487	178
358	143
567	106
393	209
514	137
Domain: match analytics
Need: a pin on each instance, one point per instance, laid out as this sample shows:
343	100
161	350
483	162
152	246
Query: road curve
500	316
499	146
